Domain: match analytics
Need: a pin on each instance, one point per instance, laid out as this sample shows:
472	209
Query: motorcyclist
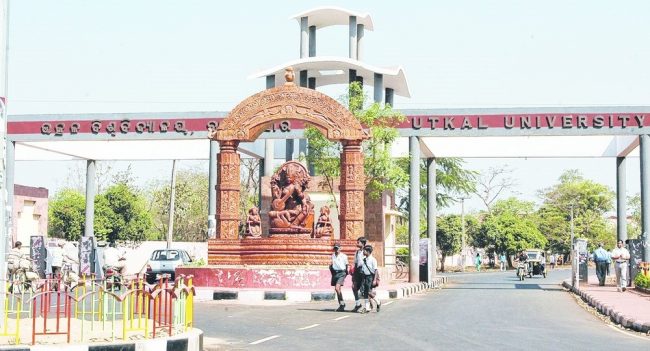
18	262
13	258
70	264
522	259
114	258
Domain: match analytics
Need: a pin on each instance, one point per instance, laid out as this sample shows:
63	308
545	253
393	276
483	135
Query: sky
75	56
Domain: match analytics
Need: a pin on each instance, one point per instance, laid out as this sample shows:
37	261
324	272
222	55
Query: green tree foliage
67	215
190	206
126	214
452	182
120	214
589	201
634	226
382	174
510	227
449	234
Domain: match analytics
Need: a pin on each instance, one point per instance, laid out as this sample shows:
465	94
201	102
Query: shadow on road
504	286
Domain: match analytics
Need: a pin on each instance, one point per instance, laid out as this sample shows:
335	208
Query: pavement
630	308
393	290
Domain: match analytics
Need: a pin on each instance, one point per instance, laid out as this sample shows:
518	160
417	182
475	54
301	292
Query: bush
403	255
198	263
642	281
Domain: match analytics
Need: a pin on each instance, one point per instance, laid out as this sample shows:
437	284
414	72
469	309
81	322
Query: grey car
163	263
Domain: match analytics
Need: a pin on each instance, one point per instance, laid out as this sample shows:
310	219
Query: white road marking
344	317
308	327
627	333
387	303
263	340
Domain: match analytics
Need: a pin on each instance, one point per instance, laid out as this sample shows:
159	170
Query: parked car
163	263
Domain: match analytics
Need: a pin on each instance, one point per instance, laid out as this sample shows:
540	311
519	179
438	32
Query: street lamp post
574	257
462	234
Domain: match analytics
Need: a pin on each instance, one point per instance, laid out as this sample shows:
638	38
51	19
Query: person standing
57	259
357	274
502	261
57	263
339	268
621	256
552	259
601	257
477	262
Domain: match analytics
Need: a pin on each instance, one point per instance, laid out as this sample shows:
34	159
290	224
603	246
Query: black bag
375	279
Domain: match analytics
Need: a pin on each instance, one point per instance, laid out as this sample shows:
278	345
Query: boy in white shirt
369	269
339	269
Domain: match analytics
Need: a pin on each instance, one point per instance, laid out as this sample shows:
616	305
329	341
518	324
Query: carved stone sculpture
292	212
324	227
253	224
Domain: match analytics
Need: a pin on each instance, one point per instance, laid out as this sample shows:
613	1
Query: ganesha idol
292	212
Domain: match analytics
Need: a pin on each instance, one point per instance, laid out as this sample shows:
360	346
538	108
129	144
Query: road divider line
308	327
263	340
387	303
339	318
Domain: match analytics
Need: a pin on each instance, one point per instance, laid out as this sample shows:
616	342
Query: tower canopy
321	17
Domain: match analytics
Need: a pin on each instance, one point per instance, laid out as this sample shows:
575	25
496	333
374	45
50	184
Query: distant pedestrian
477	262
542	262
339	269
502	261
357	274
621	256
552	259
601	257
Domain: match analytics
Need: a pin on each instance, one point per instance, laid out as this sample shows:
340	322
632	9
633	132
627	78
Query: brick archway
253	115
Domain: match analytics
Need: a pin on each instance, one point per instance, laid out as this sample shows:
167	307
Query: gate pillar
352	188
228	188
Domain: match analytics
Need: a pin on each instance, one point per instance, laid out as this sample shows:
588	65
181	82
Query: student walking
339	269
502	261
357	274
477	262
369	269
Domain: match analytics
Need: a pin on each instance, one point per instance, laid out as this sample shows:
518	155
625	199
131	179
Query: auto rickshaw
535	266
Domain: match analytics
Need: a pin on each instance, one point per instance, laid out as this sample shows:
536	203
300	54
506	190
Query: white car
163	263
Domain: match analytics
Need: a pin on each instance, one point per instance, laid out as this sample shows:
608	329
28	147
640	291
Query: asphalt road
490	311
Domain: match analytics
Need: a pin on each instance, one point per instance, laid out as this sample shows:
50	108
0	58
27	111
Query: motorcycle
522	270
23	277
113	277
69	277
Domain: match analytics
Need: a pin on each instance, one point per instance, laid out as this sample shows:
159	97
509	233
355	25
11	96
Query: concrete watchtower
315	71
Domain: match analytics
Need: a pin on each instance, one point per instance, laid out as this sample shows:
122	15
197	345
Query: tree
249	190
190	205
126	214
67	215
120	214
634	226
452	181
105	176
491	183
589	201
449	234
381	173
510	228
